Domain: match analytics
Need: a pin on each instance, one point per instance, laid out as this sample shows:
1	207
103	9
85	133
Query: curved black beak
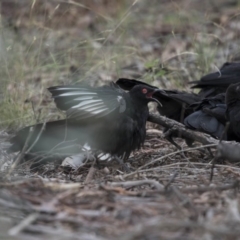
157	93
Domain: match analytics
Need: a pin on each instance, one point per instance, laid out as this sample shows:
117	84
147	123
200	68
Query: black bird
105	119
173	103
218	82
208	116
233	110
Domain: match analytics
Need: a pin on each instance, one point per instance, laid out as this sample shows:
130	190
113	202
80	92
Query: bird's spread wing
215	79
83	102
184	97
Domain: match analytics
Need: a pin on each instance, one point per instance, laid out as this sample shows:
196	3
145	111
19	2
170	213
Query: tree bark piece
178	129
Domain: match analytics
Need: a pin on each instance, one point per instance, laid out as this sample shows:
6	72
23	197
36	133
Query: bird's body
105	119
233	110
208	116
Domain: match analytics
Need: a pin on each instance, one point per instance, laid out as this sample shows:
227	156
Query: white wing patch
119	98
76	93
86	147
83	98
122	104
84	102
104	157
69	88
99	111
92	106
101	156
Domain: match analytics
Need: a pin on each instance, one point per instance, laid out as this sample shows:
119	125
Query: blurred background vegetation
52	42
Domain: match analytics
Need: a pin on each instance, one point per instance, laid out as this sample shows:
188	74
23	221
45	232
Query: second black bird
173	103
208	116
233	111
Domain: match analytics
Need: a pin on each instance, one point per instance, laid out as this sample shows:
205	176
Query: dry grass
167	43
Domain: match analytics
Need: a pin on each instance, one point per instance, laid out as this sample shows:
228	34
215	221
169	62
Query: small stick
21	154
91	172
181	130
130	184
23	224
171	180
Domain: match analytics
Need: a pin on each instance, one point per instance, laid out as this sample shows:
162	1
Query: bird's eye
144	90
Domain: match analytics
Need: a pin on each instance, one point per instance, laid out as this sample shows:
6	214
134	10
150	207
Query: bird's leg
189	142
168	134
102	157
210	152
118	159
97	161
122	163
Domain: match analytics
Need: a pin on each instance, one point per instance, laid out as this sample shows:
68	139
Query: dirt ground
168	193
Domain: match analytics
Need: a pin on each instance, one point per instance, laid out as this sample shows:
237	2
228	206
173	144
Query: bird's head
145	93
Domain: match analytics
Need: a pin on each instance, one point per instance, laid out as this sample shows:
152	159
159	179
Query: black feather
208	116
218	82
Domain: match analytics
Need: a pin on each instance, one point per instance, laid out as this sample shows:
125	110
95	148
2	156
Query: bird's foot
168	136
123	164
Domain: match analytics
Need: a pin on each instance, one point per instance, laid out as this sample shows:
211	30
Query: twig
229	151
90	174
23	224
37	138
174	153
211	188
33	109
174	165
168	155
159	223
53	202
62	186
55	232
171	180
21	154
131	184
180	130
185	200
219	153
197	189
212	169
11	204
